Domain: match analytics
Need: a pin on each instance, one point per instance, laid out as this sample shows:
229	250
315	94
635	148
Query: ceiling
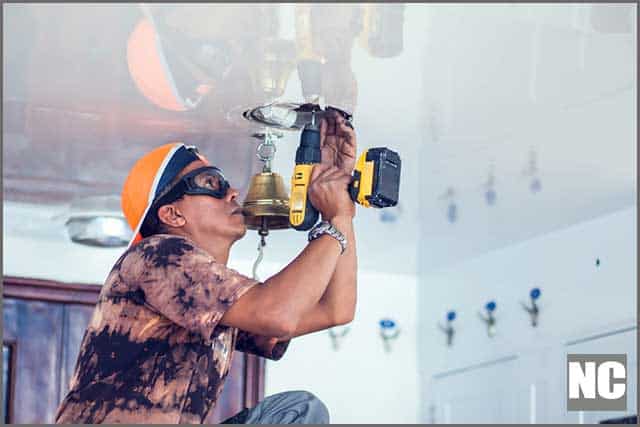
473	97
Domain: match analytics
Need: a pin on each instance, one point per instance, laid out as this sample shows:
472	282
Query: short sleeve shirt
154	351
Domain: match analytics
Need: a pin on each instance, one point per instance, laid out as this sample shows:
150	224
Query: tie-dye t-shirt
154	351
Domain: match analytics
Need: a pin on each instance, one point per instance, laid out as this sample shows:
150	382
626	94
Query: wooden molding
253	380
12	344
50	291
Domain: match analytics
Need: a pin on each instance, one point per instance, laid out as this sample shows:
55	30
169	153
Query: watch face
326	227
319	229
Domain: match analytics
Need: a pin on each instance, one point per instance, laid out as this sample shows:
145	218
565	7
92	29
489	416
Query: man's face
208	216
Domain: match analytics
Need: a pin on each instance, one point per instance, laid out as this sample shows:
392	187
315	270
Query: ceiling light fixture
98	221
106	232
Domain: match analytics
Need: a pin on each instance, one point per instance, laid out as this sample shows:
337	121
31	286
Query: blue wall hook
448	328
387	323
388	331
533	308
535	293
489	319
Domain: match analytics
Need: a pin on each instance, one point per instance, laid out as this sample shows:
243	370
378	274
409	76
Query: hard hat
149	177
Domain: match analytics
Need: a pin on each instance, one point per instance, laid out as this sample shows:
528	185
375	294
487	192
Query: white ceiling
477	88
501	81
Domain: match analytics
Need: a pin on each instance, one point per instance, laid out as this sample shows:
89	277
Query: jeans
289	407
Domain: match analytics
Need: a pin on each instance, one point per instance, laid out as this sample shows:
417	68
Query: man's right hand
328	192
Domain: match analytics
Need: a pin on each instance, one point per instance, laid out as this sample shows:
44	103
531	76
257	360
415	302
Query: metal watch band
325	227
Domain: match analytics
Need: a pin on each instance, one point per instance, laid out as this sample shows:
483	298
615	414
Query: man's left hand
338	142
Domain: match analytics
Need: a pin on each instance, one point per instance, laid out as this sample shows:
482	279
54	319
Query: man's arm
305	310
283	302
337	304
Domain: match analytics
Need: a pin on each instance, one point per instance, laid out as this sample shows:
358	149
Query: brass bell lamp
267	203
266	206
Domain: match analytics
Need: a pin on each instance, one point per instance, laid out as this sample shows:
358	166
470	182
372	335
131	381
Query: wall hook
533	308
448	328
337	334
489	319
389	331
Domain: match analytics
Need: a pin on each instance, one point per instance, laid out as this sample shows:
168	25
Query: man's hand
328	192
337	142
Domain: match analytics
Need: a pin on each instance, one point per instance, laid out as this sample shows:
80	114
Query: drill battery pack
376	179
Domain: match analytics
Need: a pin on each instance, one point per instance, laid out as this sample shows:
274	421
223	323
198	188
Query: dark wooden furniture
44	323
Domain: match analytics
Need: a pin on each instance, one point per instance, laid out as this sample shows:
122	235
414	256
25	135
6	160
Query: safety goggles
207	180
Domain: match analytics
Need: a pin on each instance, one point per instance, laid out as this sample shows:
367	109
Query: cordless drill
375	183
302	214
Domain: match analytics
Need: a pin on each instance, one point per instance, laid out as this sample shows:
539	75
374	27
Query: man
170	314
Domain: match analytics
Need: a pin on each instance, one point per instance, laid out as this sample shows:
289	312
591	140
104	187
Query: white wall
360	382
579	300
35	245
50	260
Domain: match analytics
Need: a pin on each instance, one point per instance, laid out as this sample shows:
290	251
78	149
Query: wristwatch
325	227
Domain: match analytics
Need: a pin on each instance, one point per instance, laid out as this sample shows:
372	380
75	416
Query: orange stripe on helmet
140	186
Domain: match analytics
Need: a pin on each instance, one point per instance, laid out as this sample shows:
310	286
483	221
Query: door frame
11	377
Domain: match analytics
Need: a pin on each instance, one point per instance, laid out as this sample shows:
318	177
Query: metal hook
533	309
337	336
263	232
388	331
448	329
266	150
259	259
489	319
